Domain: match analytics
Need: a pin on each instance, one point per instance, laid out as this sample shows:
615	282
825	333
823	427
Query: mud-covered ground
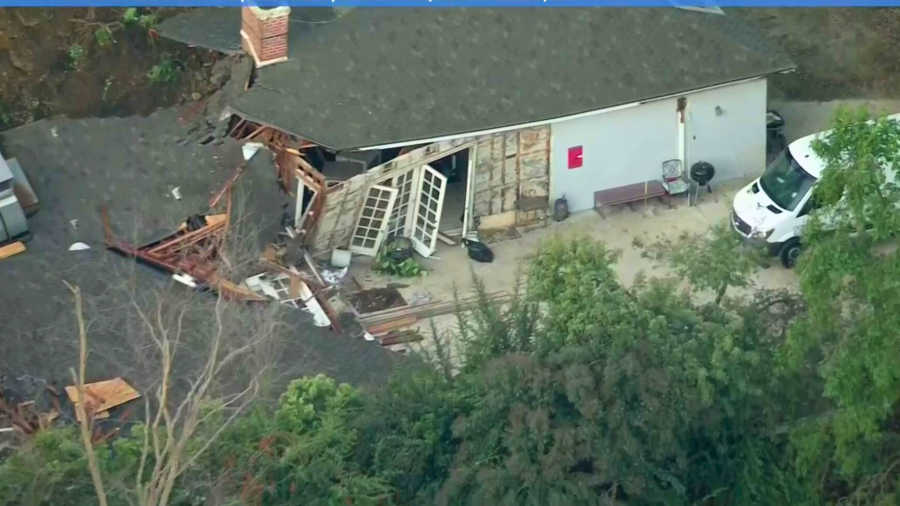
52	61
840	53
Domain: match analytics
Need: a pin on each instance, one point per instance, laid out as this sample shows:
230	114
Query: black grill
742	226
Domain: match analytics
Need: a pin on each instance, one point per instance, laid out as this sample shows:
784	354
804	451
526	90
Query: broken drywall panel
481	203
532	140
533	166
509	173
510	143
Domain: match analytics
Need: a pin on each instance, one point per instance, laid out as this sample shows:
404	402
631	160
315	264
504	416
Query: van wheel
789	253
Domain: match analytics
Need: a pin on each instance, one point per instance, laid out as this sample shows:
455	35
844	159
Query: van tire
789	253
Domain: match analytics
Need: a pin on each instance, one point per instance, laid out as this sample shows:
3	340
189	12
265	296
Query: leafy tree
715	260
853	293
633	395
405	432
302	454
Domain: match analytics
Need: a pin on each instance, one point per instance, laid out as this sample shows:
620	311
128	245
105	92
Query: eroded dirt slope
840	53
53	62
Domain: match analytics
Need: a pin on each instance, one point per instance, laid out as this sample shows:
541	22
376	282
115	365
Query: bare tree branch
82	400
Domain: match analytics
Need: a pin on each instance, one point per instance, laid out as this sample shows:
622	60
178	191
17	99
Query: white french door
405	183
373	220
427	210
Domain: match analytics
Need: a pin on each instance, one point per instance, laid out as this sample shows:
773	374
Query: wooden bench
628	194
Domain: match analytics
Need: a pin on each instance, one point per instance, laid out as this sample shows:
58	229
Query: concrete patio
623	229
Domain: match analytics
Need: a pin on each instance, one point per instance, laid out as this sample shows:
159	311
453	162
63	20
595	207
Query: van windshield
785	182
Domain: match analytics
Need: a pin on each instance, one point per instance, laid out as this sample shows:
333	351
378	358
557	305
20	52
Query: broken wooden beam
388	326
400	337
228	184
12	249
431	310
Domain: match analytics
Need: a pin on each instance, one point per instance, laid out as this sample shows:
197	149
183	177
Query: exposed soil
376	299
840	53
44	73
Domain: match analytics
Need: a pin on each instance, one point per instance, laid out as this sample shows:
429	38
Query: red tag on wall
576	157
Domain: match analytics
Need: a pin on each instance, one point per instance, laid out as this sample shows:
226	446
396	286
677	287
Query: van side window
811	203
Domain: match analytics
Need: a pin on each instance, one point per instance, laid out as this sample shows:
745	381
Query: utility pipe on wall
680	110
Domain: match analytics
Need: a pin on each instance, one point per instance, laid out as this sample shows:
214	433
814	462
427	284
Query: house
410	121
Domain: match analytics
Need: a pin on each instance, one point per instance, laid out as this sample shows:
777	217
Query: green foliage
103	36
714	260
406	436
53	460
166	71
408	268
584	391
574	280
854	303
148	21
130	16
304	453
390	259
76	55
145	21
491	332
51	469
659	403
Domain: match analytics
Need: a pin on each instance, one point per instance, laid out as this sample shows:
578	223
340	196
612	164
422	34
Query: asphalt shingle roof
132	164
377	76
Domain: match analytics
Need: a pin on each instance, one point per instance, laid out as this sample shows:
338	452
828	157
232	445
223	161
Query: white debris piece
176	192
79	246
251	148
278	287
333	277
185	279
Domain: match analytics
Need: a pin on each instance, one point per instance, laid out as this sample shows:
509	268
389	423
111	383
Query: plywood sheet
103	395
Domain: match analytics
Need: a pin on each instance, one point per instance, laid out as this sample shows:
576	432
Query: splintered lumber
430	310
392	325
12	249
103	396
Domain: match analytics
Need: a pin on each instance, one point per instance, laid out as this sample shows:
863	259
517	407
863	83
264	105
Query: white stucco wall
735	142
629	145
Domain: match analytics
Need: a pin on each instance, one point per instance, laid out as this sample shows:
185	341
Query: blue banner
449	3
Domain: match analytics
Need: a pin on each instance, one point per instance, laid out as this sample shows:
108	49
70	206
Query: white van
775	207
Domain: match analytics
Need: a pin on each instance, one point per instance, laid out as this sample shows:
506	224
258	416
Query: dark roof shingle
379	76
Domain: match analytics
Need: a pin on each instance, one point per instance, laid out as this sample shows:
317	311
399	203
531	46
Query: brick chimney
264	34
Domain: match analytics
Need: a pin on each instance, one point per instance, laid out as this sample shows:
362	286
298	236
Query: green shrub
103	36
131	16
408	268
148	21
76	55
165	72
